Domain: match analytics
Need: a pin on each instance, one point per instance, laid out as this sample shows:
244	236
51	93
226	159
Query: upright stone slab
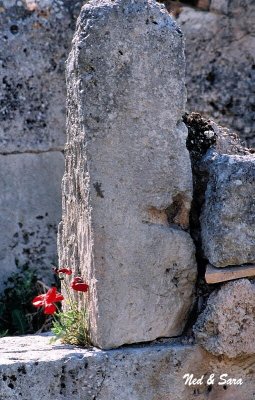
127	186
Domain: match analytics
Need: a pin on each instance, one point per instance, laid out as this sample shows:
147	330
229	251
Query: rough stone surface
30	201
35	39
227	325
228	214
204	135
227	142
220	49
127	186
31	366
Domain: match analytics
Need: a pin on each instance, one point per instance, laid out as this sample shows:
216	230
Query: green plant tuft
72	327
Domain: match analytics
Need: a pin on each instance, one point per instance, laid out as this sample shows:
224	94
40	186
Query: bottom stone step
31	368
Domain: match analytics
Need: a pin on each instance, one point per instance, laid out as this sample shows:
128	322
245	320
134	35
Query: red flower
79	285
46	300
66	271
50	309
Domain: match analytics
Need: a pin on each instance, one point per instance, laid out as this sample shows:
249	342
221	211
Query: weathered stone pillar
127	186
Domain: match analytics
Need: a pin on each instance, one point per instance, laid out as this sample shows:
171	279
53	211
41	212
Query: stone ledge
32	368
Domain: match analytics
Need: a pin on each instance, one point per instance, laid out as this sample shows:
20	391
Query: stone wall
220	73
127	192
35	40
132	220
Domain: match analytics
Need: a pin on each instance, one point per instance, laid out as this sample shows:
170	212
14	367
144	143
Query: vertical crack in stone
201	137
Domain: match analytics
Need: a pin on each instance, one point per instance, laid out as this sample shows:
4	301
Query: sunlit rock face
127	187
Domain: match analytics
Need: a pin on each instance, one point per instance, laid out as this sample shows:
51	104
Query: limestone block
36	37
220	48
227	326
31	366
127	186
30	209
228	215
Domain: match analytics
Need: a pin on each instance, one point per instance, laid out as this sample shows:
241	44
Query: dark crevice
201	137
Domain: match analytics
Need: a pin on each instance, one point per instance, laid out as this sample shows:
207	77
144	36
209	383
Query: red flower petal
66	271
59	297
38	301
80	287
50	309
46	300
77	279
51	295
